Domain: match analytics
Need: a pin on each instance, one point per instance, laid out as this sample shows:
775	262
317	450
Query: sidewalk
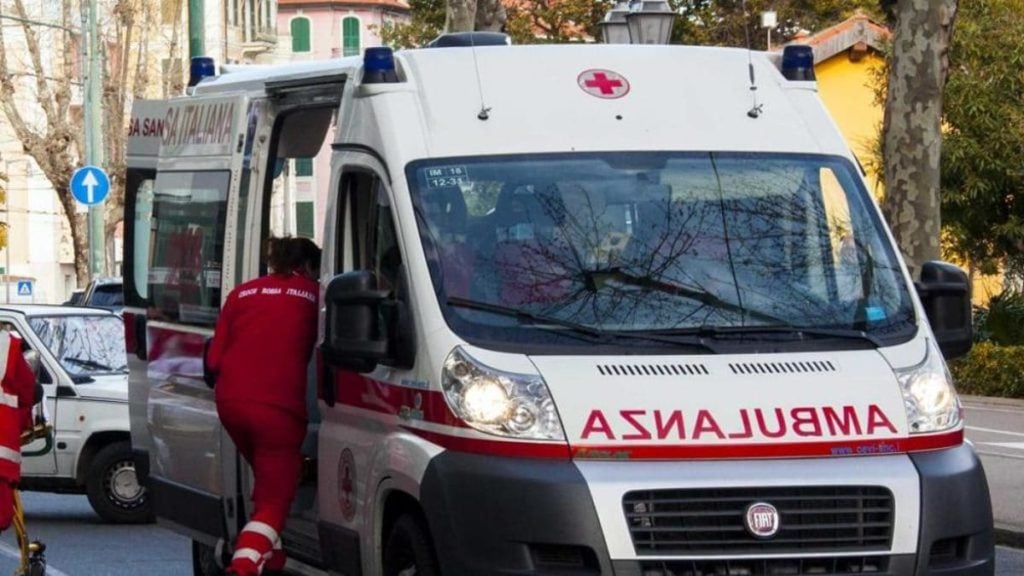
996	428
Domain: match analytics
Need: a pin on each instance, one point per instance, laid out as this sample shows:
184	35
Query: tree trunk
490	15
461	16
912	139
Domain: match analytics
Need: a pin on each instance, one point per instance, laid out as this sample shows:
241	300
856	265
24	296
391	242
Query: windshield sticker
875	313
447	176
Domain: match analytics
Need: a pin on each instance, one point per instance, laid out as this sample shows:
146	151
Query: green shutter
304	219
350	36
300	34
303	167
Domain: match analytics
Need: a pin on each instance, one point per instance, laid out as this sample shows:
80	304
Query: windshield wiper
798	331
90	364
594	279
595	334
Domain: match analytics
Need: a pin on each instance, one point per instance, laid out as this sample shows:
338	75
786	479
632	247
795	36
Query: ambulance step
712	521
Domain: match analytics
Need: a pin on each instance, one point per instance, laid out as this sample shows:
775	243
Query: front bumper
504	516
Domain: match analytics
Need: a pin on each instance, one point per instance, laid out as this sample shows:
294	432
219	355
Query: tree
427	21
555	21
42	111
982	170
468	15
912	128
727	22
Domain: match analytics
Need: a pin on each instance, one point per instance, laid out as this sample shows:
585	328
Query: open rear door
180	262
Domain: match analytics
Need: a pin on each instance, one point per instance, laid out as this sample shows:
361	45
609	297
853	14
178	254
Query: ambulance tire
113	487
408	551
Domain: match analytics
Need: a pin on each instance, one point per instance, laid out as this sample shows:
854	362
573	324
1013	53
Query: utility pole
196	42
94	133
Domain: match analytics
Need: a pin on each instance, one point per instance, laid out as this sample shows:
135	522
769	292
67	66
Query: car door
43	463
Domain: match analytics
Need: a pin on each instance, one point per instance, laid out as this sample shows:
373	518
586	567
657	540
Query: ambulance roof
671	98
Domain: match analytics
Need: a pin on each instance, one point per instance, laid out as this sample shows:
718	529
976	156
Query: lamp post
638	22
614	29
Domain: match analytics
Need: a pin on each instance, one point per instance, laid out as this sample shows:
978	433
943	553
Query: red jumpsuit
260	353
17	391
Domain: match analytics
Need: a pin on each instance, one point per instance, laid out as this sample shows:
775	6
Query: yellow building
847	58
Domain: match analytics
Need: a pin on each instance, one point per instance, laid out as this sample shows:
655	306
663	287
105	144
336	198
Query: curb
992	401
1008	537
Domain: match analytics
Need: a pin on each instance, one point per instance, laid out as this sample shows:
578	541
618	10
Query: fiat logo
762	520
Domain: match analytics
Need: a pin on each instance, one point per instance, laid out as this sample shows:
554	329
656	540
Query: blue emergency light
798	63
379	65
201	67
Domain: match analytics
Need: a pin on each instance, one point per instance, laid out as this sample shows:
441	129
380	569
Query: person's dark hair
288	255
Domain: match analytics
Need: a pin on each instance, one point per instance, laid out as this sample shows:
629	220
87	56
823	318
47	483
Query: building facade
319	30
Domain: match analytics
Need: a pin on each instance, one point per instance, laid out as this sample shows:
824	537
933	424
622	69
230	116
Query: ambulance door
290	163
144	133
188	256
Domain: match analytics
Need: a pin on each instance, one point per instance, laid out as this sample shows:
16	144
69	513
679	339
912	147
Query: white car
84	375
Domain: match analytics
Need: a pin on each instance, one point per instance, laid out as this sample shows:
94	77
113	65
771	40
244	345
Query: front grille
711	521
877	565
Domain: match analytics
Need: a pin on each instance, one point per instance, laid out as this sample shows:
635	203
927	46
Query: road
81	545
996	427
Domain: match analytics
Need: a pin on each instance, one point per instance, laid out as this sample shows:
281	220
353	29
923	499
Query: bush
1003	321
991	370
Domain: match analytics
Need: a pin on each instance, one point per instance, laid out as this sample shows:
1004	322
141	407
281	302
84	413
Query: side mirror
945	293
33	361
354	335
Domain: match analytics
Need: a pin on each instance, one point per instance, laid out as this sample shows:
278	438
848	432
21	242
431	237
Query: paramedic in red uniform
17	393
260	352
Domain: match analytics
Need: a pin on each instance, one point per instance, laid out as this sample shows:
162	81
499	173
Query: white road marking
987	409
14	553
994	431
1012	445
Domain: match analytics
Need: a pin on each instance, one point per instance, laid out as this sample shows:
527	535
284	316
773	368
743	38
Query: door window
187	251
138	234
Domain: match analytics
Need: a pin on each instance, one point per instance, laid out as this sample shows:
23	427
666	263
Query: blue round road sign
90	185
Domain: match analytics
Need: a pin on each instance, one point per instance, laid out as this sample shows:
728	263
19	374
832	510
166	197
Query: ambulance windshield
657	244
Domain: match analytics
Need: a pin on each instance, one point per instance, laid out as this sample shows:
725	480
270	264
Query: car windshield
109	295
84	345
664	243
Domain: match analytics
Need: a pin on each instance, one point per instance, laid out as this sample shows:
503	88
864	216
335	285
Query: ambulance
585	309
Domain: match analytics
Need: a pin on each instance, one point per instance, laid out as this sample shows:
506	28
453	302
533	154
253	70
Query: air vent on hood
652	370
782	367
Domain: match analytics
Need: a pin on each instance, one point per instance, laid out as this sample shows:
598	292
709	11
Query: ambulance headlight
497	402
931	401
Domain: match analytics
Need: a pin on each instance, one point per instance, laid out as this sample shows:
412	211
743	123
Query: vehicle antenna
485	111
756	109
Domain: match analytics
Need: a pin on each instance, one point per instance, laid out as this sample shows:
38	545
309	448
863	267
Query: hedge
990	370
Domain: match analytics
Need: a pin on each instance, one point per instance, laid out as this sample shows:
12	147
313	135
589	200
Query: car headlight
931	401
497	402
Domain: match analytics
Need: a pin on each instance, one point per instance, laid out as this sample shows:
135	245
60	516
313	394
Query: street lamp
614	29
650	22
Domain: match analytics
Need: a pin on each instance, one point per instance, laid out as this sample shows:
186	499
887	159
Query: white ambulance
585	310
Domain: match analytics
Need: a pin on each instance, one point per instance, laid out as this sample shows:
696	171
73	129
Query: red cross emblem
603	83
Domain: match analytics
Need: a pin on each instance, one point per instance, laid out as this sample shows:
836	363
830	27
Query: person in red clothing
260	352
17	394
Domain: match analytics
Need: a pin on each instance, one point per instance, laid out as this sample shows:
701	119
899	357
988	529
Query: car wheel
113	487
204	560
408	551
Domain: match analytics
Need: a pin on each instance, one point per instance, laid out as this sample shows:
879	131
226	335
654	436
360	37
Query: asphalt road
996	427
